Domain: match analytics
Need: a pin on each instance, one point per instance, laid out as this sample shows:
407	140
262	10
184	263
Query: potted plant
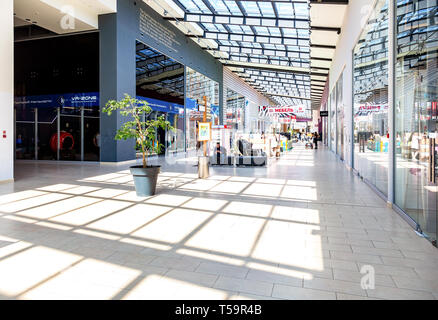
145	177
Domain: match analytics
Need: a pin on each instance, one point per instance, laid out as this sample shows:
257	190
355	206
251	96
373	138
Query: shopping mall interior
275	150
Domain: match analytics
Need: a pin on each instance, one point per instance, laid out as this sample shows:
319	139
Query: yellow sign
204	131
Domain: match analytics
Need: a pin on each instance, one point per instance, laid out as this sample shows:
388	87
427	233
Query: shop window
370	110
416	190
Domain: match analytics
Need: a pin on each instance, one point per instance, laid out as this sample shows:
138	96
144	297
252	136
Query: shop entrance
57	133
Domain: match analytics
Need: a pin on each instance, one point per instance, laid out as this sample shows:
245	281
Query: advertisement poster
204	131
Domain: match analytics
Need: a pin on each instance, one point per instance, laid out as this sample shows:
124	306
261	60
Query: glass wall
25	133
235	110
38	128
91	134
340	118
70	134
332	116
199	86
160	81
47	133
416	115
370	85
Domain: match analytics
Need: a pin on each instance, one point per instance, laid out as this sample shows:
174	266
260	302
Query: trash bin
203	168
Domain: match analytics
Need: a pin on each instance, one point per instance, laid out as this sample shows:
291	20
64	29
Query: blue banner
91	99
163	106
88	99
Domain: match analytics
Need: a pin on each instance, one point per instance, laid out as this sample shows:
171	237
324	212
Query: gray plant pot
145	179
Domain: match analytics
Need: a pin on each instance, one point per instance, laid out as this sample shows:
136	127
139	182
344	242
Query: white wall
6	90
355	19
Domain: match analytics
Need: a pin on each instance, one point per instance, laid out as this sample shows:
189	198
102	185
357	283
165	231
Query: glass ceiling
273	32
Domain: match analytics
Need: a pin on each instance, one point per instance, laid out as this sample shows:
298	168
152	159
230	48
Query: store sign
299	111
371	109
89	99
323	114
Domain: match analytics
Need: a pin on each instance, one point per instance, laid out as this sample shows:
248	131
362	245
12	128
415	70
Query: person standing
315	140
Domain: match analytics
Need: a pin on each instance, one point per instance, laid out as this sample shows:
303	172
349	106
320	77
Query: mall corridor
301	228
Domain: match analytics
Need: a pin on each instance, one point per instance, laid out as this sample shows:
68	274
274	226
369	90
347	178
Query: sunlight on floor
225	237
225	234
28	268
88	279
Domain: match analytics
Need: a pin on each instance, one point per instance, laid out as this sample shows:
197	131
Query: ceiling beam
322	46
289	23
236	36
285	96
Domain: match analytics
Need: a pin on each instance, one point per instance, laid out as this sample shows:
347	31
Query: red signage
373	108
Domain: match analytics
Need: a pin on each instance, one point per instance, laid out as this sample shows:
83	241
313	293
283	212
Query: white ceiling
49	14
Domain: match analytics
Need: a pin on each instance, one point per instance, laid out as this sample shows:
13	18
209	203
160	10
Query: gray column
117	77
391	98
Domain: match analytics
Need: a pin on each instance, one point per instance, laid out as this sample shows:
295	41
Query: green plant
134	128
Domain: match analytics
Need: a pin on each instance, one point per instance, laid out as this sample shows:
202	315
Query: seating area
247	156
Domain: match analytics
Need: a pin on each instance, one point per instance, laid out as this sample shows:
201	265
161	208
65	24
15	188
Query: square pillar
7	90
117	77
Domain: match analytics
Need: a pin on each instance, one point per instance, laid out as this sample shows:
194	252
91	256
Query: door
47	132
25	133
70	134
91	134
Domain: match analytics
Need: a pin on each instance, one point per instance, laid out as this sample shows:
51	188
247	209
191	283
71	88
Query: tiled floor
303	228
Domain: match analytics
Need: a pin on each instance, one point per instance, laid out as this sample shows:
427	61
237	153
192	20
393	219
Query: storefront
173	140
370	108
394	144
199	86
416	117
58	127
235	110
